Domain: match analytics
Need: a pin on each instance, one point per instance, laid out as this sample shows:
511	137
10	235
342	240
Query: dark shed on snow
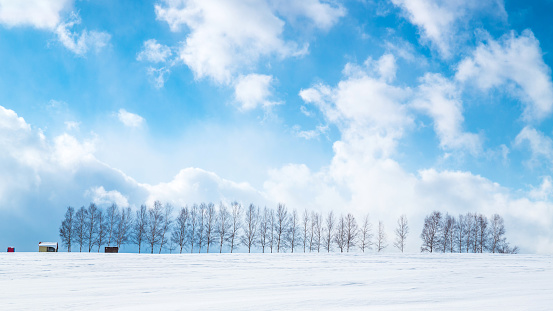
111	249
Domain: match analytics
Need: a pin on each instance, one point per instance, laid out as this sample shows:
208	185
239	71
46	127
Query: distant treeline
208	228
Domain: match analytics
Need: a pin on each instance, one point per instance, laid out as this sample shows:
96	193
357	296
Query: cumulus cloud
154	52
100	196
540	145
440	98
254	90
323	14
512	61
310	134
129	119
225	35
36	13
80	43
440	21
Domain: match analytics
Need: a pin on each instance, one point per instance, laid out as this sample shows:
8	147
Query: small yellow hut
48	247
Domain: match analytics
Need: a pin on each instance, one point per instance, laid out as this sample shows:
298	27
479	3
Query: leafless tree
282	223
351	231
306	227
140	226
178	237
91	225
66	228
235	224
366	235
469	228
101	233
80	227
312	231
497	230
201	226
381	237
112	215
264	224
211	215
272	226
154	226
318	231
193	225
123	227
430	231
166	224
340	234
329	231
294	222
452	234
401	232
460	232
223	225
250	227
446	232
482	233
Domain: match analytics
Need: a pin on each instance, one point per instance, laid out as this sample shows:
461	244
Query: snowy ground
31	281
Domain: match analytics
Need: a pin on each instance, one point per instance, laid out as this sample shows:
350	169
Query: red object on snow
11	249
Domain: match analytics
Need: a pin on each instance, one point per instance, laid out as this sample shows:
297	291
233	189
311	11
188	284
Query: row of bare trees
472	233
208	228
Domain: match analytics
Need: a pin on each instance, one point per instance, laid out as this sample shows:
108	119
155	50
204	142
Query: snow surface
83	281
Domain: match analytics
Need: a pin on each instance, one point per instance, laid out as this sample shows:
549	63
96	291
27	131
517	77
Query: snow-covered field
45	281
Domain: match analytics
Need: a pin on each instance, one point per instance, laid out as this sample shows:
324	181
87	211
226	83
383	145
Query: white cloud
40	14
100	196
72	125
225	35
440	21
323	14
441	99
129	119
512	61
544	191
81	43
254	90
158	76
154	52
310	134
540	145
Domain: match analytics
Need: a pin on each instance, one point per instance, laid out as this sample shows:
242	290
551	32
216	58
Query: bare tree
401	232
112	215
312	231
154	226
306	227
469	227
264	224
381	237
452	234
101	233
235	224
66	228
482	233
497	230
282	222
91	225
272	220
166	224
446	231
124	227
460	232
181	225
340	234
294	222
80	227
351	231
251	219
329	231
366	235
318	231
211	214
430	231
140	226
193	225
223	225
201	226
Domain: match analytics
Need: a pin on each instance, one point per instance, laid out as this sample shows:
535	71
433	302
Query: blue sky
386	107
